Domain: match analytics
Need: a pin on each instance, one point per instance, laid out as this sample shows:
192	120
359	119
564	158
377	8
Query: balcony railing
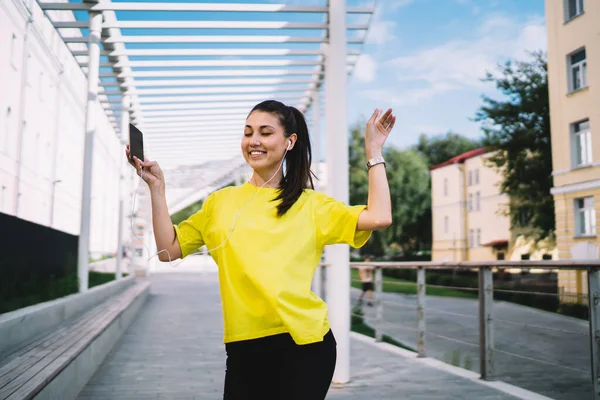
535	337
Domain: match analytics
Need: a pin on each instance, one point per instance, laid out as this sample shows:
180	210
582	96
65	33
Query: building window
13	51
469	178
470	237
577	70
585	216
470	202
547	257
6	134
445	186
581	143
477	201
477	176
573	8
446	224
500	256
478	238
525	256
524	216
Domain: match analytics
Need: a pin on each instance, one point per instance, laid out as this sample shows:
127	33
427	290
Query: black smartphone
136	143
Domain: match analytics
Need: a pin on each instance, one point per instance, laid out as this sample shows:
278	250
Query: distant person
365	272
267	237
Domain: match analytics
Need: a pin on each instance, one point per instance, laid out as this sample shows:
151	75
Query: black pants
276	368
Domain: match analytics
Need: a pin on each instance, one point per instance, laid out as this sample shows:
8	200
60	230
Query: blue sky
423	58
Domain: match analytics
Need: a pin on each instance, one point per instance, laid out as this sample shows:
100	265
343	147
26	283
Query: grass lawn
393	285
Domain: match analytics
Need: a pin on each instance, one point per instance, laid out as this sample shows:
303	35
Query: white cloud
460	64
381	31
408	97
365	68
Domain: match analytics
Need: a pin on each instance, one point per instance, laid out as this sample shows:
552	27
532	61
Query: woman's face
264	142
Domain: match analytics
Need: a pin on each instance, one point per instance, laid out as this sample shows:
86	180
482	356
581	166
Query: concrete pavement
174	350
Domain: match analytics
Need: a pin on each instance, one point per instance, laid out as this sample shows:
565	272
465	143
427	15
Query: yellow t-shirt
267	265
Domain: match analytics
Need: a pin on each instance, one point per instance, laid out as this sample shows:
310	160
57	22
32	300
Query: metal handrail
524	264
485	315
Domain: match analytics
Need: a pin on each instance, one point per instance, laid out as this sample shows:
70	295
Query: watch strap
374	161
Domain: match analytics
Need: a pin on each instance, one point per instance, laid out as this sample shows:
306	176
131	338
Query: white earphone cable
238	213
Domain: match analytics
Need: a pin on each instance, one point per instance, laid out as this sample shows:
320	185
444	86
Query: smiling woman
267	237
274	131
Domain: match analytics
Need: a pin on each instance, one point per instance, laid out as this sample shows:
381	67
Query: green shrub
580	311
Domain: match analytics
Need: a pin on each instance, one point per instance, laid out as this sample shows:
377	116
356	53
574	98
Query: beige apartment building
573	28
468	210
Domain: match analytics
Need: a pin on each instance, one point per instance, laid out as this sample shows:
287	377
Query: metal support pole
55	144
90	130
338	280
378	304
22	121
124	139
317	280
323	276
421	311
486	323
316	136
594	312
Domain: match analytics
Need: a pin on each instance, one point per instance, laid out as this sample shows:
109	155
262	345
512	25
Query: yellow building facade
468	211
573	28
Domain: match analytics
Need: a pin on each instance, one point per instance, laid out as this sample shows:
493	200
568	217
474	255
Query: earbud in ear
290	145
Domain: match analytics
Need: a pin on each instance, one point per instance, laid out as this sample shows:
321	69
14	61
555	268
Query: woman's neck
258	179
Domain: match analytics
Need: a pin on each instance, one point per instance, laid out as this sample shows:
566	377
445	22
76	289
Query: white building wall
49	103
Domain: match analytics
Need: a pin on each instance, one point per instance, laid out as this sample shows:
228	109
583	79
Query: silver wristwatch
374	161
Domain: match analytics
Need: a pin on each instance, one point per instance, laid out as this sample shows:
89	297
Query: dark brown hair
297	175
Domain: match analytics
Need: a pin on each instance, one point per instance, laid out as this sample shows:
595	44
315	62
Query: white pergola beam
202	106
204	73
211	63
223	126
222	7
210	39
199	139
214	111
210	98
202	132
209	90
214	63
208	52
212	82
201	39
204	25
193	119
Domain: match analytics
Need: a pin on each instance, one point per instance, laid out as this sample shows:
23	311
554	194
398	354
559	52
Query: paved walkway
174	351
562	371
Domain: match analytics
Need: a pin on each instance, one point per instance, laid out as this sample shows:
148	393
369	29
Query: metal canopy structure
190	79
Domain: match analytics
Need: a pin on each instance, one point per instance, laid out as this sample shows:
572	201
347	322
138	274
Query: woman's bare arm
378	214
164	233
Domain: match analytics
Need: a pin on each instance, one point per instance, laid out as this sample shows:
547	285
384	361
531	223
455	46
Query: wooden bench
30	369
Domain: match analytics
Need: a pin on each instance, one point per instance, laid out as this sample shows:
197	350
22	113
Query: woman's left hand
378	128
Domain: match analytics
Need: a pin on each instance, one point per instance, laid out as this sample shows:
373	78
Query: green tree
408	177
187	212
518	127
440	148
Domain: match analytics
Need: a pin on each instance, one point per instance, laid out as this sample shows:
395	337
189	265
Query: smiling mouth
256	153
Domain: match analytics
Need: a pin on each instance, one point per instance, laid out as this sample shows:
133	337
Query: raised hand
377	131
151	173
